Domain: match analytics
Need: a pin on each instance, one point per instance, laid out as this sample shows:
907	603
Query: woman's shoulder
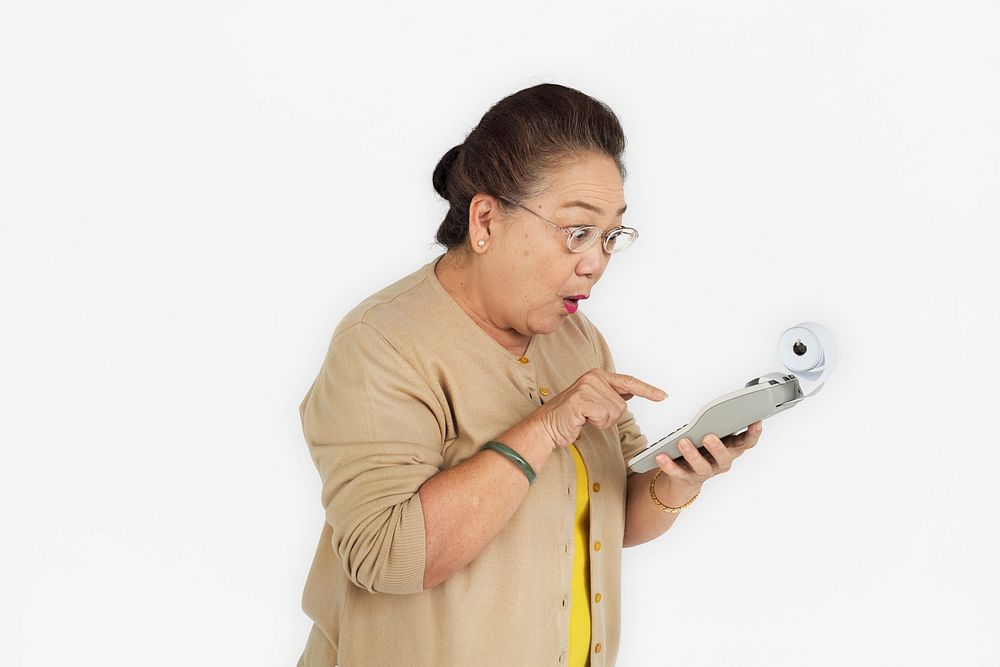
401	310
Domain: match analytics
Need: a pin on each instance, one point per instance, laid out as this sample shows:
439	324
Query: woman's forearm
466	506
645	521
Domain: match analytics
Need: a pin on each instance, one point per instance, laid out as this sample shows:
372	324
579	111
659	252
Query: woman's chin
547	326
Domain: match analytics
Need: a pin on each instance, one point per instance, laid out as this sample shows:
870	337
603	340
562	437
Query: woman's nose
593	260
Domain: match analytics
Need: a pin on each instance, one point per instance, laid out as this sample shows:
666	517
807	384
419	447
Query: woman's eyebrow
590	207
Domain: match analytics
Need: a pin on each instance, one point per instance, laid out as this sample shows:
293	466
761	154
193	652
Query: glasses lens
581	238
620	239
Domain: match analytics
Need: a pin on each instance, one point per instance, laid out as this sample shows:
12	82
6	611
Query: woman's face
528	270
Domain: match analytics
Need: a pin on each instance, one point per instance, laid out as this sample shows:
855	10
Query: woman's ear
482	218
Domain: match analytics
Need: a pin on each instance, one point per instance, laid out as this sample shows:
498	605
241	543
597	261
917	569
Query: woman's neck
461	282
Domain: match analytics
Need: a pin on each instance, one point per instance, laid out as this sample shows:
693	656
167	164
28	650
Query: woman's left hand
694	468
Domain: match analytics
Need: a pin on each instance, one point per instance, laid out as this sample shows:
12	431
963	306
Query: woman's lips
571	302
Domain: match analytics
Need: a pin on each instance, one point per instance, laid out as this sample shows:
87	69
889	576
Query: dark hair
515	146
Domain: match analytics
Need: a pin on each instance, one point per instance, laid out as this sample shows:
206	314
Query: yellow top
579	615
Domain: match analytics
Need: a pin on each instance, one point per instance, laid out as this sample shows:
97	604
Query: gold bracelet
652	493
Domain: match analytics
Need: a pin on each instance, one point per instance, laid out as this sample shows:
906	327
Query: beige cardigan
410	386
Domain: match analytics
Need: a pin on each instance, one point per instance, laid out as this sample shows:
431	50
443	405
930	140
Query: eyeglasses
580	238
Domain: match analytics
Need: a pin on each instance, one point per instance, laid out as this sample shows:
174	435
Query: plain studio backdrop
193	194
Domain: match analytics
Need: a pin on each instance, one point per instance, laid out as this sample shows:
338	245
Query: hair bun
443	170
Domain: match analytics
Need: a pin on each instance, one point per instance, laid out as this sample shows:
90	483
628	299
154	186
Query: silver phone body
761	398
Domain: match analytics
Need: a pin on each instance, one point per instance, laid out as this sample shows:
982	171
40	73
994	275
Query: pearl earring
482	242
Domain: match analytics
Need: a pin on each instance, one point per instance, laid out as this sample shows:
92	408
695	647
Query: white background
192	194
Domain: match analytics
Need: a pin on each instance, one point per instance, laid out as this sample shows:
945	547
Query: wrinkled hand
693	468
597	397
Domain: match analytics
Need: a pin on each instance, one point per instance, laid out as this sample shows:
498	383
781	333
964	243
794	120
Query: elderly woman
469	426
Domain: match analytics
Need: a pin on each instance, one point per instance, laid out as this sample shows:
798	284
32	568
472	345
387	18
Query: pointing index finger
629	386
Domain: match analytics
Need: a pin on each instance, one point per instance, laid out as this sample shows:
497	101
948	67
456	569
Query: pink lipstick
571	303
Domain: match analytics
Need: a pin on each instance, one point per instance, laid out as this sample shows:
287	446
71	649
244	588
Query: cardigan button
543	390
597	487
597	598
597	545
523	360
597	648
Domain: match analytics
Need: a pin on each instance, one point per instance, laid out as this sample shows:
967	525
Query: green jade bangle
516	458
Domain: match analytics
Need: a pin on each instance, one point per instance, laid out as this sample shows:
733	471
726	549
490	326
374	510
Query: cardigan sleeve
374	432
631	437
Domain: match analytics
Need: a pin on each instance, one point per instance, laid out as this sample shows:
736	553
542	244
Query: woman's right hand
597	397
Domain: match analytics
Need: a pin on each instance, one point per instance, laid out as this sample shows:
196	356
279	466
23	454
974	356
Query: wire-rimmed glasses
580	238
